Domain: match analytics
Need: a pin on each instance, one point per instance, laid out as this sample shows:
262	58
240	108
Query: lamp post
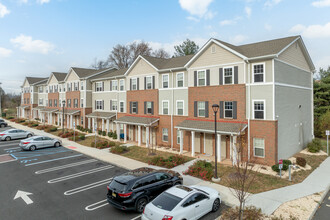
215	108
63	104
0	99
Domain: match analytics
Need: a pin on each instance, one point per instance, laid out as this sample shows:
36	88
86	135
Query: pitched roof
83	72
136	120
162	63
101	115
33	80
59	76
109	73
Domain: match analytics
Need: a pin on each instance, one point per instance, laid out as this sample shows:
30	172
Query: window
81	103
259	109
41	102
60	88
63	87
99	104
228	109
114	105
258	72
179	80
55	102
99	86
148	82
76	103
56	88
60	103
165	107
81	120
122	85
46	101
50	103
259	147
81	85
134	107
76	86
114	85
134	83
178	136
165	80
41	89
201	109
121	106
69	103
149	107
179	107
228	75
201	75
165	134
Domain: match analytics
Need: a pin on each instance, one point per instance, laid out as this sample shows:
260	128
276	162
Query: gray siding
178	94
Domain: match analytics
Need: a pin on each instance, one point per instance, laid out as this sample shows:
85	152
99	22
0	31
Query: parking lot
57	183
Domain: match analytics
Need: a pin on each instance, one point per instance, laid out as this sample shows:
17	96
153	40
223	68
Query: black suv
3	123
133	190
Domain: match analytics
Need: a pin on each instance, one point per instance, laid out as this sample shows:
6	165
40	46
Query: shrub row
170	162
201	169
314	146
286	164
119	149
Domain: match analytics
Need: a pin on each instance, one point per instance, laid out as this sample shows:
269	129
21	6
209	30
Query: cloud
323	62
321	3
238	39
312	31
268	27
3	11
23	1
193	18
27	44
248	11
198	8
230	22
271	3
41	2
5	52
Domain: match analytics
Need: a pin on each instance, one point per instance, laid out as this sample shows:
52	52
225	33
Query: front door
208	144
227	147
197	143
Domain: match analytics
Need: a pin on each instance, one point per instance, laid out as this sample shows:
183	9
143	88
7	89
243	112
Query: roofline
211	131
212	40
263	57
132	123
105	78
287	46
108	69
308	56
71	69
39	81
136	60
171	69
52	74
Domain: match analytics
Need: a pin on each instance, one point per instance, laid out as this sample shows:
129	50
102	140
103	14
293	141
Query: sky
38	37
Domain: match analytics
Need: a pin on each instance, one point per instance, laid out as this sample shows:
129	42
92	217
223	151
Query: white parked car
183	203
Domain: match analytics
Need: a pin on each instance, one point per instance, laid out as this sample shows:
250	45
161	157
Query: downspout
172	106
249	108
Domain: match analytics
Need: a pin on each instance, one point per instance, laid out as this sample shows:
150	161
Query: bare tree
120	56
141	48
100	64
243	176
161	53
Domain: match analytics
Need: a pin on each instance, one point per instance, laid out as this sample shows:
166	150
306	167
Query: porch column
89	123
68	121
78	119
218	147
58	120
139	135
235	150
112	126
118	131
147	136
93	121
192	143
125	133
181	141
231	147
71	121
17	112
108	126
102	124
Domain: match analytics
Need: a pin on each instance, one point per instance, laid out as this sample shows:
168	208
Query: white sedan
183	203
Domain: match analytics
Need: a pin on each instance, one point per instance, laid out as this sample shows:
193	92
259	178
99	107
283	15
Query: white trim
176	80
201	70
109	92
260	84
292	65
208	131
168	107
232	75
293	86
135	61
98	100
259	100
224	110
152	86
123	107
119	90
163	134
176	107
254	153
174	88
273	75
168	80
264	73
198	109
279	53
97	73
131	86
271	56
114	80
216	65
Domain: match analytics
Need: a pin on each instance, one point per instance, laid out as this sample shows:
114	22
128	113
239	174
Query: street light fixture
215	108
63	104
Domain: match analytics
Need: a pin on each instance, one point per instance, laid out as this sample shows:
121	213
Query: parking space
57	183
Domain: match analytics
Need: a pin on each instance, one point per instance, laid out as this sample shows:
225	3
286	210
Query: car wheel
29	135
32	148
140	204
216	205
57	144
8	138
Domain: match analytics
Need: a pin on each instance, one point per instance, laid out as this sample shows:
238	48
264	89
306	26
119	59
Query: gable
26	83
295	56
52	80
141	67
72	76
220	56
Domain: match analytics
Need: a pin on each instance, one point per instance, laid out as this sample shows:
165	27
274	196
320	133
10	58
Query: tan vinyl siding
72	76
268	77
294	55
26	84
180	94
141	67
52	80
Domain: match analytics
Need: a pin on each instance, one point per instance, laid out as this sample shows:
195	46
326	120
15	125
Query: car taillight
167	217
2	134
108	188
26	142
125	195
144	209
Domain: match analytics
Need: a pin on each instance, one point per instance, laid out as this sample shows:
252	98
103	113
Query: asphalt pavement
323	211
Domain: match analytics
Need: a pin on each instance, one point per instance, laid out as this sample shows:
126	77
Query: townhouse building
264	91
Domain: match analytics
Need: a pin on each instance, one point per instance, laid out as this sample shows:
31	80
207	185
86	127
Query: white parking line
65	166
63	178
6	145
97	205
46	161
12	148
136	217
87	187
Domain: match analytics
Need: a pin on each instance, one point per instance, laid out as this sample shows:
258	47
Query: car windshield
166	201
118	186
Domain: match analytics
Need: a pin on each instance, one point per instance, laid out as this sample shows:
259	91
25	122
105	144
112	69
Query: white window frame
76	105
177	81
224	110
148	77
168	107
98	86
120	106
112	105
114	85
60	103
134	112
259	100
178	138
204	77
213	49
134	84
264	73
55	103
168	81
81	103
164	129
263	148
41	101
99	103
147	112
177	109
232	75
81	85
199	108
122	85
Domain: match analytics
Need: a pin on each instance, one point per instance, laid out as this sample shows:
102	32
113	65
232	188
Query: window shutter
207	77
234	109
130	84
110	85
145	107
195	78
94	106
137	105
102	86
153	82
78	85
220	76
235	74
145	83
152	108
130	107
110	105
95	87
195	109
206	109
102	104
138	84
221	109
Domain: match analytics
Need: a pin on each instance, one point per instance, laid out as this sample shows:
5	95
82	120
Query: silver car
37	142
14	134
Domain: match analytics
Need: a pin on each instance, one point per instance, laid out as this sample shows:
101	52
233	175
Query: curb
318	205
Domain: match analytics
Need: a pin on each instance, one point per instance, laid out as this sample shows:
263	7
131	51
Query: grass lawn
141	154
